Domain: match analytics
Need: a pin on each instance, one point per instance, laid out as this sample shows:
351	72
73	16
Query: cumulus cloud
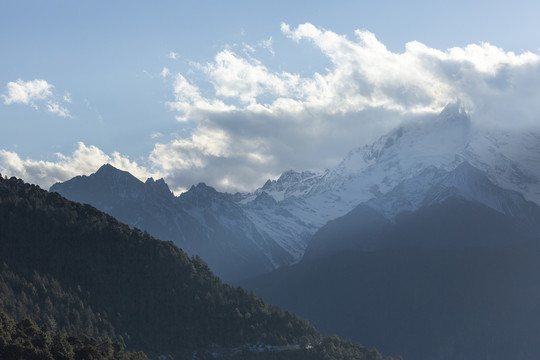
364	74
33	92
84	161
27	92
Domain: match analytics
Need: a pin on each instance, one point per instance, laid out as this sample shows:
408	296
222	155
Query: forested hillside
125	284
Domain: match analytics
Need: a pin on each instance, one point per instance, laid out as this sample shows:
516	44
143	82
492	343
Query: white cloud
84	161
248	48
364	74
36	91
188	101
245	79
67	97
26	92
173	55
165	72
267	44
55	108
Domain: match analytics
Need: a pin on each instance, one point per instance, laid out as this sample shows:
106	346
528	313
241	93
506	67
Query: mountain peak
159	185
106	167
202	187
200	195
455	114
263	199
470	183
109	171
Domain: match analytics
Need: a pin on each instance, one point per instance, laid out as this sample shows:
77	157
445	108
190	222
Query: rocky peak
200	195
158	186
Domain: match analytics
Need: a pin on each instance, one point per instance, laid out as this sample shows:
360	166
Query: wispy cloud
33	92
165	72
173	55
267	44
55	108
67	97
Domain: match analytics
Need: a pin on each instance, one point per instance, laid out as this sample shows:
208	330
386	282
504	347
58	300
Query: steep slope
454	304
200	221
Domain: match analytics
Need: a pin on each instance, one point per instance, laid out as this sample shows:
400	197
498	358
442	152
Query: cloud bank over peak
264	121
364	74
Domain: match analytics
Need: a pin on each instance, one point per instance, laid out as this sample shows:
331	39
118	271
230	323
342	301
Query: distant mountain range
201	221
408	172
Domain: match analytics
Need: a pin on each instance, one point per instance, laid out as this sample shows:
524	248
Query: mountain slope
200	221
455	304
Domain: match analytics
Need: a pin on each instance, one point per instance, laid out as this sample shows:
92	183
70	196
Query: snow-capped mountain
201	221
404	162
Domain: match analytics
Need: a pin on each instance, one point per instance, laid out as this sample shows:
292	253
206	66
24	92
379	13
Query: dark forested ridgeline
75	270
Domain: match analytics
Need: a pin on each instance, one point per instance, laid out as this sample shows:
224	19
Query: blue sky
232	93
